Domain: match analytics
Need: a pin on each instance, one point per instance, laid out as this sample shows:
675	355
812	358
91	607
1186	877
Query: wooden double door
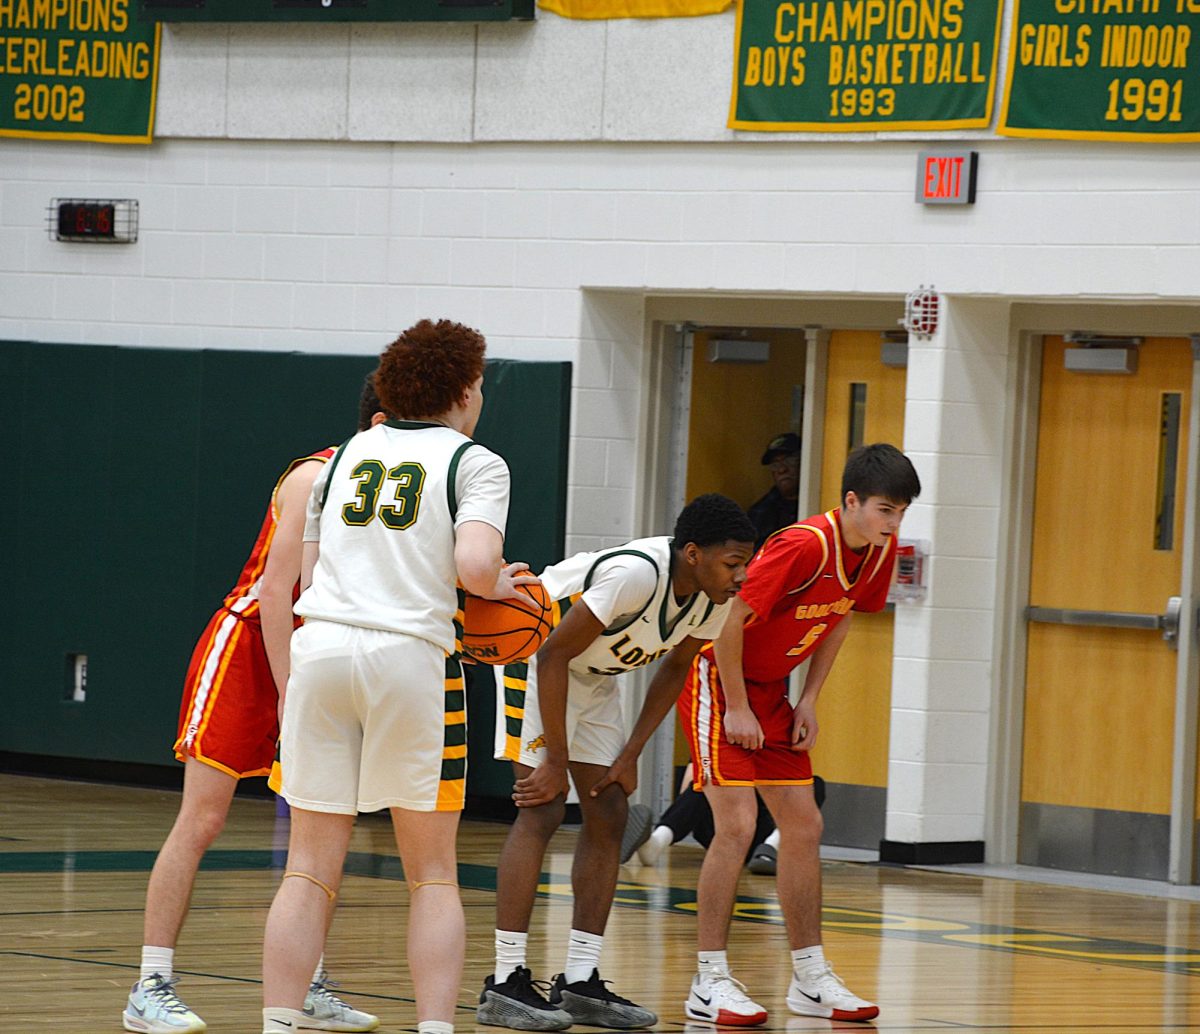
1103	669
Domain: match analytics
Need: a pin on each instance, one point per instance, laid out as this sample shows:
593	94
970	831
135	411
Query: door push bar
1168	621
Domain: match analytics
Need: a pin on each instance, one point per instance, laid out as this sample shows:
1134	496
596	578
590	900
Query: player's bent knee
542	820
608	810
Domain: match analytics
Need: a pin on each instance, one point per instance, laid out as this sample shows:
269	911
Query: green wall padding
138	478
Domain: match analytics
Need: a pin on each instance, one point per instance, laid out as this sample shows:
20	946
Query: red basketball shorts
717	761
228	715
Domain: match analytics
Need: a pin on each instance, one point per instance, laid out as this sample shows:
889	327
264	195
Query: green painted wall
137	480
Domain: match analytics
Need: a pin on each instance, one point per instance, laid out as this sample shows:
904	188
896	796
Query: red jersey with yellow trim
800	584
243	597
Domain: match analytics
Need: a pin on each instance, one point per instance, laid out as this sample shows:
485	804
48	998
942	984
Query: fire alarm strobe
921	311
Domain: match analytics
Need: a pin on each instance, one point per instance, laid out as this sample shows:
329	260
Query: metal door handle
1168	621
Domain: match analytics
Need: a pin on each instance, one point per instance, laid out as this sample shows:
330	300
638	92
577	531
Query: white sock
319	972
435	1027
712	962
158	960
804	959
773	839
510	952
583	955
282	1021
662	838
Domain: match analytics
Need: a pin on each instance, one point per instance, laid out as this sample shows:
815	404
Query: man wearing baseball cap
778	508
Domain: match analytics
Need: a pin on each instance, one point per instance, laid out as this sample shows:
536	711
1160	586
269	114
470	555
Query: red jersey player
228	725
801	590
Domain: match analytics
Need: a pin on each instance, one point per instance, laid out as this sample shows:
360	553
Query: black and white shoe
590	1001
519	1003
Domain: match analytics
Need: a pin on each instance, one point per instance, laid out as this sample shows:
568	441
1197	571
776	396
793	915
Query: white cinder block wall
942	657
319	187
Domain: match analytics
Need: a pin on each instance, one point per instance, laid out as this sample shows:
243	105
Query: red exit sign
946	177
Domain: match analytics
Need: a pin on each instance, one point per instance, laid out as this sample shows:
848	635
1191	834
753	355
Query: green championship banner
1104	70
850	65
77	70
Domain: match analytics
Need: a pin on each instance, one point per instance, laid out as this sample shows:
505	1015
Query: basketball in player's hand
504	631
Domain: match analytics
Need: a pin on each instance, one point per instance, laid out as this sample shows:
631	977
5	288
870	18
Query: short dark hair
368	402
881	470
712	519
424	372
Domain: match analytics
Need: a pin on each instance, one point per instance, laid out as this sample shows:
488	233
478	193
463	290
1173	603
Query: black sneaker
763	861
589	1001
637	830
519	1003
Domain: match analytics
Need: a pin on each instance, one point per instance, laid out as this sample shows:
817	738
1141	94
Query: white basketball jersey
384	511
634	639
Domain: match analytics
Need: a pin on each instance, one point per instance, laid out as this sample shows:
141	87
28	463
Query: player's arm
483	491
739	724
282	571
662	693
481	567
804	715
574	634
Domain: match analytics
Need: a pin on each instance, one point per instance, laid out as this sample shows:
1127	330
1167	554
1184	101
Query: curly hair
711	520
424	372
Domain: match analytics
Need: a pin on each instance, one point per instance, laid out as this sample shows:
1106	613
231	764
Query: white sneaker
155	1008
323	1010
718	998
819	991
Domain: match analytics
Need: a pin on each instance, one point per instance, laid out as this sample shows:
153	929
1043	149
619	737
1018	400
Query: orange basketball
504	631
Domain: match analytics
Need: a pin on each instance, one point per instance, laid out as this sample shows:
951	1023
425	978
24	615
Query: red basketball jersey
801	583
243	597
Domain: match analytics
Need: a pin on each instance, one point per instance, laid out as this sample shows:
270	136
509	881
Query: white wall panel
288	81
922	683
228	255
192	77
411	82
668	79
262	304
541	80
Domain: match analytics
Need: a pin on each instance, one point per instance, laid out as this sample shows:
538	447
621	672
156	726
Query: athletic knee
606	814
804	828
201	826
541	821
735	831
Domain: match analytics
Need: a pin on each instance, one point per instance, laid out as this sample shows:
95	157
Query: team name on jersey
635	657
823	610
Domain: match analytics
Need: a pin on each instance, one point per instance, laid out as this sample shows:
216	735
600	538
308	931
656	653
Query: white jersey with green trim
384	511
642	624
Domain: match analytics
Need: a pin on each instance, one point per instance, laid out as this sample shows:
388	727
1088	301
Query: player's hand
541	786
623	772
742	728
804	725
512	575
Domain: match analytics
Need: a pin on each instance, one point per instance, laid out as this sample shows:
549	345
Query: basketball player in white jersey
616	610
374	715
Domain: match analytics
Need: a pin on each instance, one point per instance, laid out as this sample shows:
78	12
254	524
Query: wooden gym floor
939	951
